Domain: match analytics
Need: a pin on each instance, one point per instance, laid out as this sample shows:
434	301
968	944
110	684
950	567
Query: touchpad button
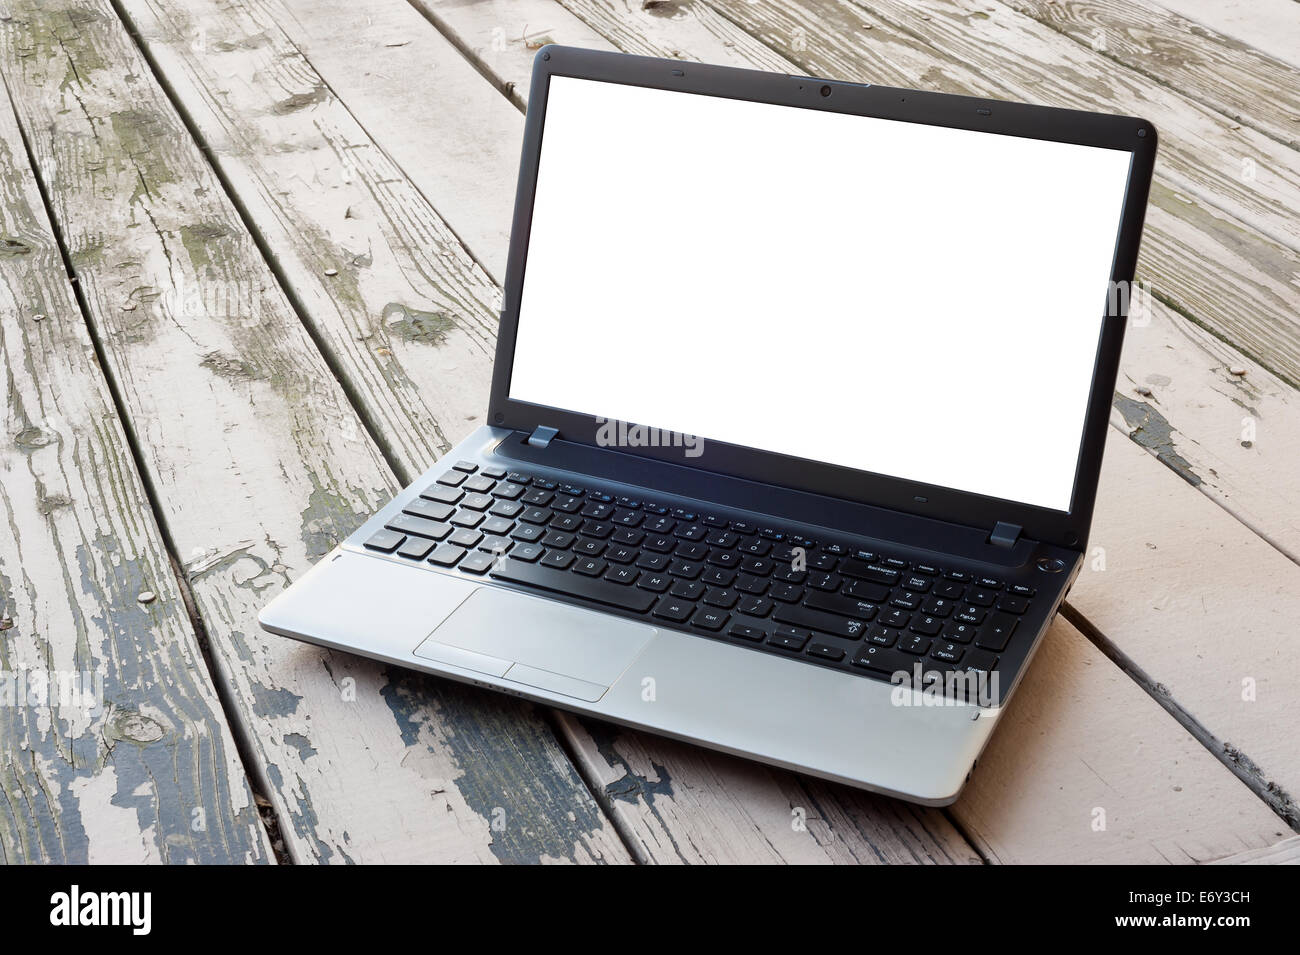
593	648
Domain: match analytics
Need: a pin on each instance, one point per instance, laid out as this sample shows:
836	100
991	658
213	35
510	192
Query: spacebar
566	582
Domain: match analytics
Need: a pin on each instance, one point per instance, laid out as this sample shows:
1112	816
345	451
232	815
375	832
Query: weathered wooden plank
1286	852
1229	271
1229	76
501	38
227	97
260	465
143	768
1203	612
1268	25
1085	767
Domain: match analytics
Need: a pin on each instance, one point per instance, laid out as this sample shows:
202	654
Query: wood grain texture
1228	270
1268	25
143	768
1083	747
260	466
1286	852
226	101
1205	613
1230	77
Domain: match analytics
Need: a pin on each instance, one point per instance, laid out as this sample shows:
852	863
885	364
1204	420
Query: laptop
795	426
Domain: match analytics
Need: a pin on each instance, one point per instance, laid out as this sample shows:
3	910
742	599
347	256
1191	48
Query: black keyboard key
559	559
497	526
622	575
757	566
660	544
590	566
687	589
688	551
989	583
659	525
718	577
528	552
682	568
589	548
755	547
657	583
786	593
725	539
469	467
563	581
535	515
415	548
882	660
826	562
452	479
789	638
895	563
506	508
386	541
479	484
981	660
981	598
528	533
625	535
467	519
828	583
495	473
895	618
558	539
508	491
752	634
721	597
495	545
949	590
824	651
960	632
960	575
882	636
430	510
446	555
916	583
566	504
938	607
995	634
751	585
477	502
690	532
537	497
1013	604
755	606
724	558
947	652
519	477
598	511
478	563
406	524
789	575
464	537
706	618
914	643
1022	590
620	554
652	561
844	606
927	570
565	522
906	599
872	593
971	615
673	608
926	625
817	620
443	495
627	518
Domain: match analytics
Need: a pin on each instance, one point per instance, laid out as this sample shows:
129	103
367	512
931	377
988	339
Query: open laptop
796	420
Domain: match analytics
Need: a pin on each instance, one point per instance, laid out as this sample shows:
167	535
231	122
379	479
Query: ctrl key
386	541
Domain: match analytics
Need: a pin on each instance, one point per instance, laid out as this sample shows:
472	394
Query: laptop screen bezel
1063	528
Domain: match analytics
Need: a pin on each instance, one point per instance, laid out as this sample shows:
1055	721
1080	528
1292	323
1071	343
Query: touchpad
565	649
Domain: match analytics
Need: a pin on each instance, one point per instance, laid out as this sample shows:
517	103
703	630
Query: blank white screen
909	300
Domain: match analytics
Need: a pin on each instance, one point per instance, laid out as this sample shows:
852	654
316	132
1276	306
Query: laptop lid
908	299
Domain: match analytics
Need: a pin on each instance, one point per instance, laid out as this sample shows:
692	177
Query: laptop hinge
1004	534
542	435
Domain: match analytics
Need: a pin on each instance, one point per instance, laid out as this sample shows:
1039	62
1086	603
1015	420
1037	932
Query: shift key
823	622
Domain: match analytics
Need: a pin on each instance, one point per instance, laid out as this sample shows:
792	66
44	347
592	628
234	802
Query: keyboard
825	602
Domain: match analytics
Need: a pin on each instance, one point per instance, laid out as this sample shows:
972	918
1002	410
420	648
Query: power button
1051	565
